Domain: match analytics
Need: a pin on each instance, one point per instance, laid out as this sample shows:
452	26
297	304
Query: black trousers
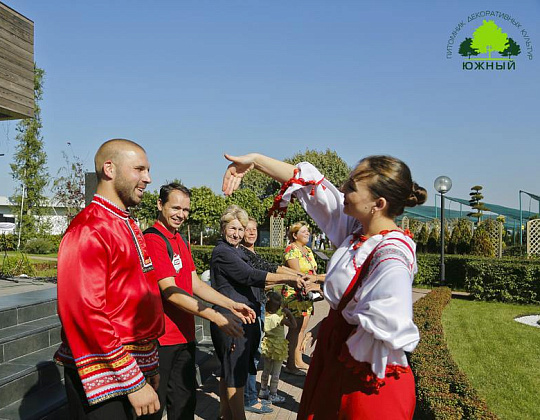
177	383
117	408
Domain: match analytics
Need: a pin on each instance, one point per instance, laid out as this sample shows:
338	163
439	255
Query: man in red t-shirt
178	282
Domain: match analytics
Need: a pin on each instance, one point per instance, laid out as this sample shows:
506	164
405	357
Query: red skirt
335	389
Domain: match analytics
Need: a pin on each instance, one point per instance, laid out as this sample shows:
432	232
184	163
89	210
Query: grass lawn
31	257
500	356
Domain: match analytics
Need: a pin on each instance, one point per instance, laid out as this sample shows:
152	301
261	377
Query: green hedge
443	391
513	280
504	281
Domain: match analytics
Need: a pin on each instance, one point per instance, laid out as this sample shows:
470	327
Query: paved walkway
290	386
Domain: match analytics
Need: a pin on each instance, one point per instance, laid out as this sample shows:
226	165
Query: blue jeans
250	390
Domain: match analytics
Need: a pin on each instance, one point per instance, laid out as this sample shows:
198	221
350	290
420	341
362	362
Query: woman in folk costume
359	369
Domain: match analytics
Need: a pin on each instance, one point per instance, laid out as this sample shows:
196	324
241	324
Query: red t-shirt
179	325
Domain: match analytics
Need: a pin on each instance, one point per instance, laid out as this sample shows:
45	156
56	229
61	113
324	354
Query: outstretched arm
241	165
205	292
230	324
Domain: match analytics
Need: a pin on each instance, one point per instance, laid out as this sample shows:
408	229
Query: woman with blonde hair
233	276
359	369
298	256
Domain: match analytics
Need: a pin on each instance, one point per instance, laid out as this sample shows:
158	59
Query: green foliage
481	243
260	184
504	280
328	163
512	280
248	200
39	246
146	211
443	391
422	238
29	168
17	266
68	187
8	242
433	242
512	49
465	48
460	240
206	210
488	37
476	203
429	266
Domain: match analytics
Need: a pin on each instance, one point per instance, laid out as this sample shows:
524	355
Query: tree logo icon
489	38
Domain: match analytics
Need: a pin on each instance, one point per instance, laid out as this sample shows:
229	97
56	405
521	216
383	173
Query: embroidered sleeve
106	367
382	309
321	200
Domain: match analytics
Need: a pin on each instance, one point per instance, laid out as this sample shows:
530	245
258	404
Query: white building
57	217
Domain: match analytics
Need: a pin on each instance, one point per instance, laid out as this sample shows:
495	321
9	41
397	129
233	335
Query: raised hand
240	166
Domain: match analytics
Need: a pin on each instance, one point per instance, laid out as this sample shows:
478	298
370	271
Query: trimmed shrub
504	280
39	246
443	391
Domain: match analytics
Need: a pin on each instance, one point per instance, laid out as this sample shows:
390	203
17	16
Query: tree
29	169
512	49
481	243
206	210
248	200
465	48
146	211
488	37
476	203
328	163
433	242
423	236
68	187
460	240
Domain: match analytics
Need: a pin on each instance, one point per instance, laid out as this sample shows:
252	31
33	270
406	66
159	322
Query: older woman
359	369
234	277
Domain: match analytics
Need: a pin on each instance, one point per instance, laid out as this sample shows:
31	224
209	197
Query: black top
233	276
259	262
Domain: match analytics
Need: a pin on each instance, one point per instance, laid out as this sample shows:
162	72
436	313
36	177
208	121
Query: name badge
177	262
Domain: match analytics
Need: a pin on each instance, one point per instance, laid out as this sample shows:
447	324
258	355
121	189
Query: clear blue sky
190	80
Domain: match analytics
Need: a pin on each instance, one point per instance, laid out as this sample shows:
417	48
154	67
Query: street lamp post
442	184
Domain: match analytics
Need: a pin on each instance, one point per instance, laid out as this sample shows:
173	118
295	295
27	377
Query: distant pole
520	221
442	184
443	276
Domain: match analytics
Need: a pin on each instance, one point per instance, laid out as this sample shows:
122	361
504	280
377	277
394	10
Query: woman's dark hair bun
418	196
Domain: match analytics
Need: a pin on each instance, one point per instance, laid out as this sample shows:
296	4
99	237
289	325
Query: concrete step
22	339
46	404
16	309
21	377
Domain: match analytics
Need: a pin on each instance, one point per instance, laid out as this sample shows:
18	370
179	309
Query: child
275	347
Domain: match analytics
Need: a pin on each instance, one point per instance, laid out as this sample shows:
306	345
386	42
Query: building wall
16	65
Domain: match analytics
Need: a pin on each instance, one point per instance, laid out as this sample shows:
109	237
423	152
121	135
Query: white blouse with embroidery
382	306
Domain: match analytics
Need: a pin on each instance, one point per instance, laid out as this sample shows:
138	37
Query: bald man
108	299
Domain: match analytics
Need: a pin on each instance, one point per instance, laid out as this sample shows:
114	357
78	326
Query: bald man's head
113	150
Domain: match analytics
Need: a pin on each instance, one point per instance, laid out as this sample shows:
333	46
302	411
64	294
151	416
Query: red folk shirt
108	302
179	325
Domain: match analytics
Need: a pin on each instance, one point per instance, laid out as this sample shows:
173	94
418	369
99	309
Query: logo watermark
493	44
